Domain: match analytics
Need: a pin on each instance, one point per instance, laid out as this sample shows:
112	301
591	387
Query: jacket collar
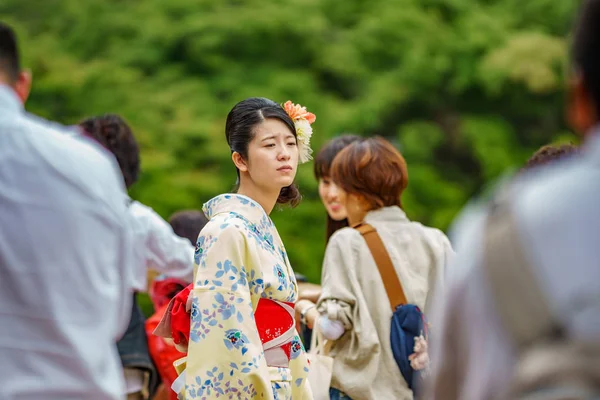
386	214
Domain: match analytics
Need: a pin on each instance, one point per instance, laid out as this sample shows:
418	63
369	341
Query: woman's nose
332	193
284	154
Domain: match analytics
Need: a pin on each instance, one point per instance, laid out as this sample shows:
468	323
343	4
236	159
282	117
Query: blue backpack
408	321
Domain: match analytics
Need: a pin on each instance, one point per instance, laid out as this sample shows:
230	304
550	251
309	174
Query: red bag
163	352
180	318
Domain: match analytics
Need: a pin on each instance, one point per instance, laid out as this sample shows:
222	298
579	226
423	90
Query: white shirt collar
9	100
592	144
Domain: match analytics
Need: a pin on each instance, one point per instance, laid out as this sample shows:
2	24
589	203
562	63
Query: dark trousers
133	347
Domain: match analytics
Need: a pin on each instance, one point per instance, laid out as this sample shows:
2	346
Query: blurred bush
465	88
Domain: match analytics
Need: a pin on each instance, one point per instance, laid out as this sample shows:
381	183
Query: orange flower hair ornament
302	121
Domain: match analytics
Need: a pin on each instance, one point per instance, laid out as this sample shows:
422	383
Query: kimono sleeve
225	354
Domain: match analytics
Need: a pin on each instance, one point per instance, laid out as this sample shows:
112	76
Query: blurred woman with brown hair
336	213
354	311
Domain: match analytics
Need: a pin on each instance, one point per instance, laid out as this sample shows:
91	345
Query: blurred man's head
10	67
549	154
584	87
188	224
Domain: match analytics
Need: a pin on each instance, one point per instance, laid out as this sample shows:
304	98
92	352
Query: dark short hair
373	169
586	48
322	168
328	152
9	53
115	134
188	224
239	132
550	153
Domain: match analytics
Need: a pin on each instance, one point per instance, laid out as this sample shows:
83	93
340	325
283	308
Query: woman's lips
335	207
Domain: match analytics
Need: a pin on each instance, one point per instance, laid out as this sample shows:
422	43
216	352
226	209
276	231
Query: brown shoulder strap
392	284
520	302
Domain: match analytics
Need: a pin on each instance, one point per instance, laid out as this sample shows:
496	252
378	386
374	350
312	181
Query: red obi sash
274	321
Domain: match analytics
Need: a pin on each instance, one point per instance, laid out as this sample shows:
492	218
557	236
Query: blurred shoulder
345	238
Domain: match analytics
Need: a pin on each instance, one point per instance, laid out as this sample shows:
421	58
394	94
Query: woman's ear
581	110
361	201
23	85
239	162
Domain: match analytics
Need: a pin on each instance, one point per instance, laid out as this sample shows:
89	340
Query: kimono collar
238	204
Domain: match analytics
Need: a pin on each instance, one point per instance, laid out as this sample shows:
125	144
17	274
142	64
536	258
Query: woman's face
272	155
331	198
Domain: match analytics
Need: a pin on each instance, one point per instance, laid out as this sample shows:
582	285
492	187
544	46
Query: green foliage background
465	88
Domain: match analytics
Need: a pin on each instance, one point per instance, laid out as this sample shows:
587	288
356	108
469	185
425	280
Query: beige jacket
353	293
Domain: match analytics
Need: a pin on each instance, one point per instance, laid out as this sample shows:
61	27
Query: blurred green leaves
466	88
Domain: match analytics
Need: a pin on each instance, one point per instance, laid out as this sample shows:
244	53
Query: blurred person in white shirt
65	250
556	215
477	206
161	249
157	245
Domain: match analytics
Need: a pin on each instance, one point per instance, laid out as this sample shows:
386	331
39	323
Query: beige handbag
321	365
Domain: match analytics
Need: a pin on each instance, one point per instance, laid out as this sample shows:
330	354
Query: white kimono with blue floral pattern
239	259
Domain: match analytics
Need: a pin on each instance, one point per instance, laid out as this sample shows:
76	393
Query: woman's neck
356	217
356	208
266	200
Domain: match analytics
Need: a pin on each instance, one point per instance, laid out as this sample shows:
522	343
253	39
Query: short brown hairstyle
550	153
373	169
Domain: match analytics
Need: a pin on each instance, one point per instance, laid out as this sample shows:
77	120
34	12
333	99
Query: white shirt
557	211
160	247
65	254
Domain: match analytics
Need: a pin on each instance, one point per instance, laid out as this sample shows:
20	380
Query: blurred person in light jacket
555	213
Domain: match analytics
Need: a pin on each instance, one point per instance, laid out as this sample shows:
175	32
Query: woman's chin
337	216
285	182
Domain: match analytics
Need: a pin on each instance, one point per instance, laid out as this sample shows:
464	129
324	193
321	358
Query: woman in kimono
242	340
